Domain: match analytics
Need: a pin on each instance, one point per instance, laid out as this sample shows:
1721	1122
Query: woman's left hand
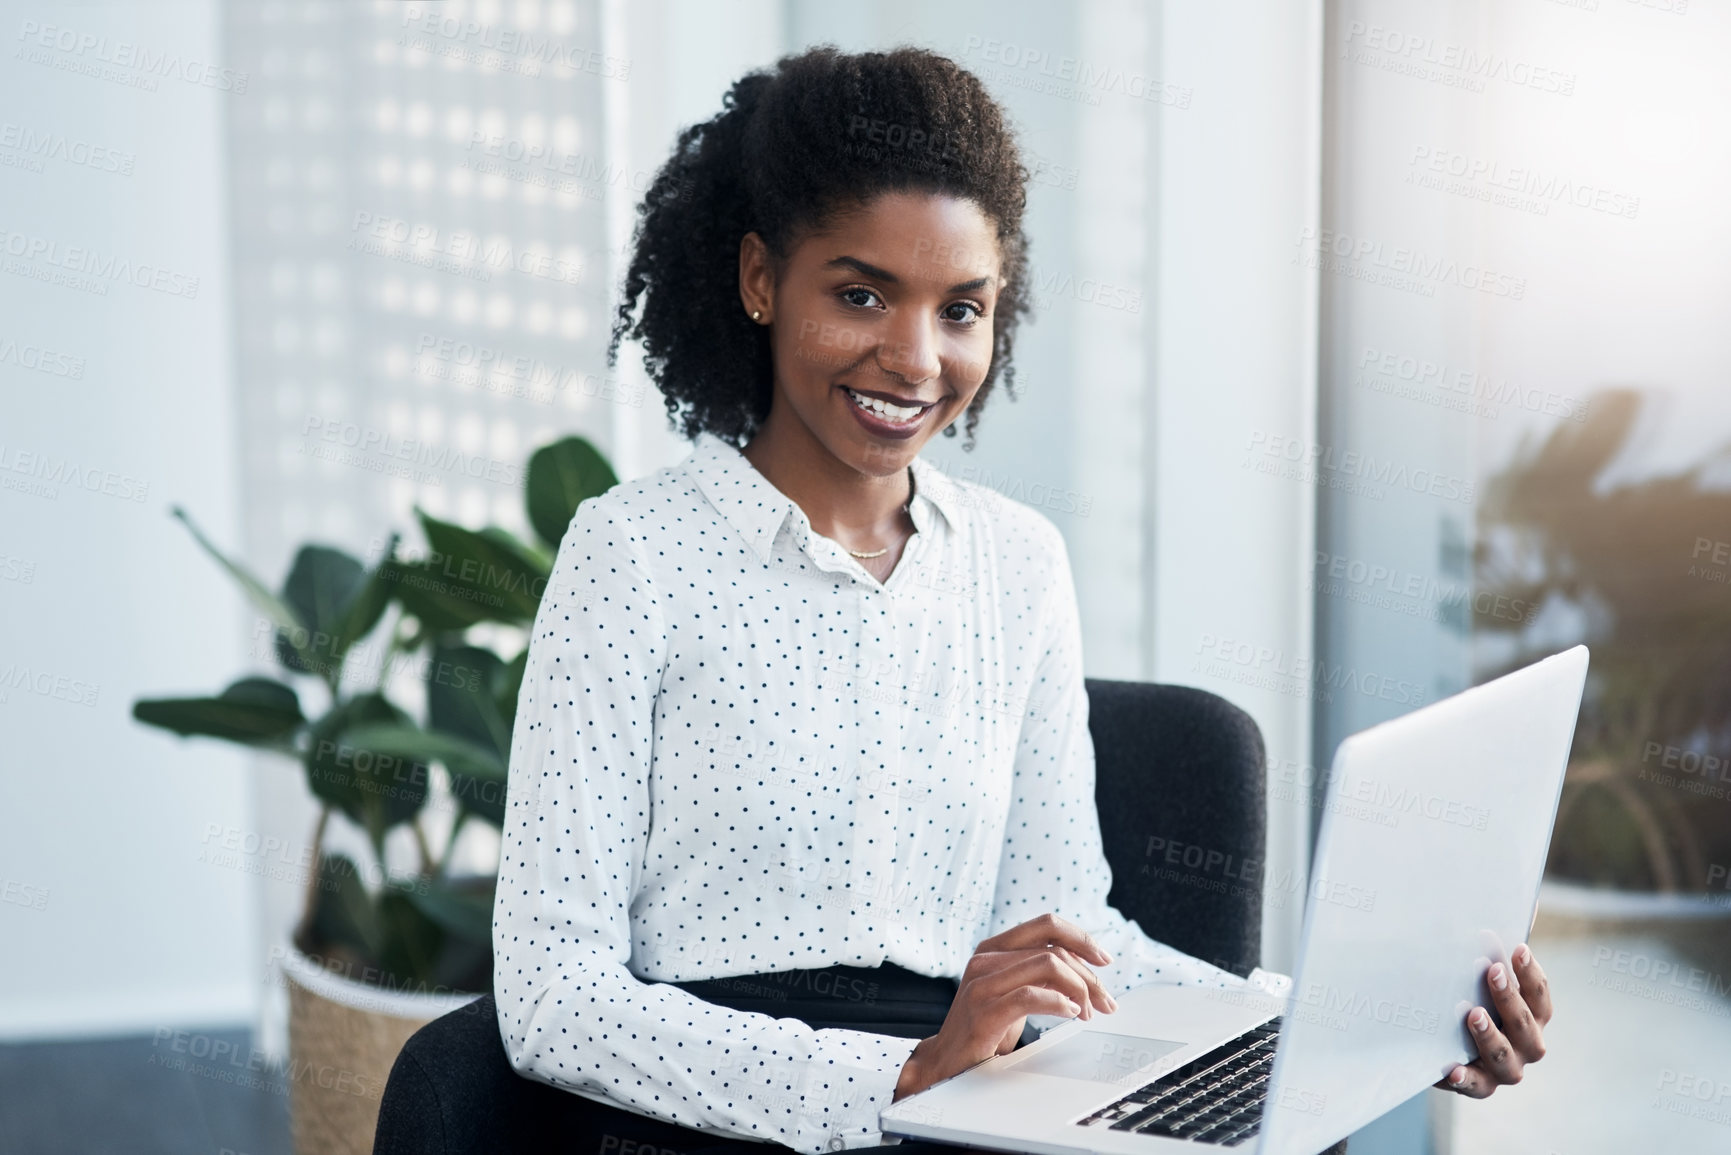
1523	998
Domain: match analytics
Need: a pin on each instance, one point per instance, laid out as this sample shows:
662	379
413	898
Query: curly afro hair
820	133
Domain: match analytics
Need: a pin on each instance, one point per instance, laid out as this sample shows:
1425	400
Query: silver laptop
1427	868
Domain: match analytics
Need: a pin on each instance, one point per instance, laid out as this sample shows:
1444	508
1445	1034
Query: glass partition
1523	445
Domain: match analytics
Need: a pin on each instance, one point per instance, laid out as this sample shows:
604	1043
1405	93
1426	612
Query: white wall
103	817
1235	357
685	54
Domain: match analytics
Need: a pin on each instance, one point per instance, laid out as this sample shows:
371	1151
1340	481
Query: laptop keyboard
1215	1098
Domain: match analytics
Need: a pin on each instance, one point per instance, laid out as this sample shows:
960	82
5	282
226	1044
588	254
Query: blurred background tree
1630	566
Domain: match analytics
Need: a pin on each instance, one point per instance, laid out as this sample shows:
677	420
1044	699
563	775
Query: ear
756	278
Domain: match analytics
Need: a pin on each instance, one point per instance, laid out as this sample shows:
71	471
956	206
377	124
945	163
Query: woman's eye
958	312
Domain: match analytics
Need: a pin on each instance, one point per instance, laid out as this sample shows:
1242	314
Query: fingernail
1479	1020
1458	1076
1074	1009
1523	956
1499	977
1111	1003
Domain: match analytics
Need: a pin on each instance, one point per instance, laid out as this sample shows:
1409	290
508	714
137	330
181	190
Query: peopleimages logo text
92	263
457	251
40	358
1303	670
1421	266
71	149
52	470
388	445
88	46
1468	384
513	42
1525	180
1427	58
1351	463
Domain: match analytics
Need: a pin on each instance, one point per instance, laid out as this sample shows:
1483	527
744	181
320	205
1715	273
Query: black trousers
886	1000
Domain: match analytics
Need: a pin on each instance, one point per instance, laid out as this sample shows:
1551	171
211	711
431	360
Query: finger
1020	1002
1469	1080
1098	996
1041	969
1497	1056
1048	929
1535	986
1519	1026
985	963
995	1023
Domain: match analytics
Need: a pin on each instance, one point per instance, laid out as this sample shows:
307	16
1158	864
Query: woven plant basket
343	1038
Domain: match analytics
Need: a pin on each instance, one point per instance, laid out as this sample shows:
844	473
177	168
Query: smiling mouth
885	411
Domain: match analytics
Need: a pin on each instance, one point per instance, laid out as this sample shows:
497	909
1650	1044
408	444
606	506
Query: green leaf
464	908
320	585
440	605
434	940
562	476
267	603
462	695
254	711
337	603
376	787
411	744
412	943
470	577
343	913
417	934
368	605
465	965
464	684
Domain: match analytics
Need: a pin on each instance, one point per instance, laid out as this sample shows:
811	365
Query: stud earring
757	314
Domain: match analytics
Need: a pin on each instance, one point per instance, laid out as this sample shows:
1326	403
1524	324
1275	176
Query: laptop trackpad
1097	1056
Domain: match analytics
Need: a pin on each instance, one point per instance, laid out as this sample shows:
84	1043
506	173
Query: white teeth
884	408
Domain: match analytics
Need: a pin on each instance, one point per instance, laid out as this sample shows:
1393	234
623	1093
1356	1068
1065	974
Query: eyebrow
870	270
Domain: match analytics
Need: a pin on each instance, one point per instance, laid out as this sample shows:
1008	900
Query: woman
802	708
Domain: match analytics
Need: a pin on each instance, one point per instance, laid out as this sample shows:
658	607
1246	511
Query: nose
910	350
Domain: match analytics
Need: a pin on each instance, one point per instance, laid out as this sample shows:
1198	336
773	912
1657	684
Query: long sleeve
1053	857
577	823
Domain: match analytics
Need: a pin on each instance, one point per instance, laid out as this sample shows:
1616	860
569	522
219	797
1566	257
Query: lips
882	407
884	418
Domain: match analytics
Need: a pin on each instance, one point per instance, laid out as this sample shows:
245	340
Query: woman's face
881	324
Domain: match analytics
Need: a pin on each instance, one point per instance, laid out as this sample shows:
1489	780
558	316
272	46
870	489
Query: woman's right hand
1038	968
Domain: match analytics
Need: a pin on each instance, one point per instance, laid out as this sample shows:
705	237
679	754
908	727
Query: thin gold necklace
869	554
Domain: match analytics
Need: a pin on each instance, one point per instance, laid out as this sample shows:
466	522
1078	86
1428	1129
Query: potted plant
1624	565
383	947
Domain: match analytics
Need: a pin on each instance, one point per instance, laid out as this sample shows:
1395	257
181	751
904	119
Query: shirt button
837	1143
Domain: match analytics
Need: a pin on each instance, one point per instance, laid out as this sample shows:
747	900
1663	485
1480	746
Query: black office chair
1177	768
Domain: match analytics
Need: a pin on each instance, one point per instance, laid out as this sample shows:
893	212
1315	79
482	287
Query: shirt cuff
873	1090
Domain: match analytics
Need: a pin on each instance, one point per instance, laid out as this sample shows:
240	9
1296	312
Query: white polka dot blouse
736	751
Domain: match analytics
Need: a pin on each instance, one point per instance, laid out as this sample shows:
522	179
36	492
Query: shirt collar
757	509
